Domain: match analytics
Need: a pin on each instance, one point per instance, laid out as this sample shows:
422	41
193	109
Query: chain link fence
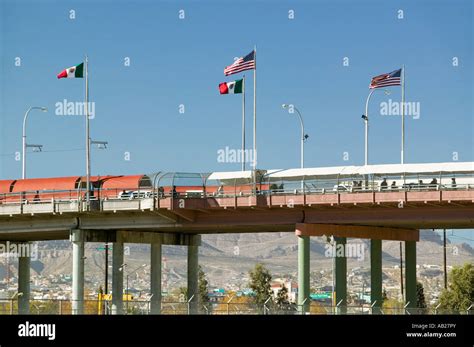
142	307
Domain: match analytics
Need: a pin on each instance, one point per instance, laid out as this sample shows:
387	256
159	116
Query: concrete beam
357	231
133	236
219	220
188	215
138	237
174	239
117	278
77	239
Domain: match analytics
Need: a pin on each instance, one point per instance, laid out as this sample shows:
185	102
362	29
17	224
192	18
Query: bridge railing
370	183
238	188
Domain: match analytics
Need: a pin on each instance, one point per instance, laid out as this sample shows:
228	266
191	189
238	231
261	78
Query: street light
304	136
25	145
365	117
100	144
122	268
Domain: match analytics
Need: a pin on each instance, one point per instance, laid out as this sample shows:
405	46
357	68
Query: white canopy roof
389	169
384	169
230	175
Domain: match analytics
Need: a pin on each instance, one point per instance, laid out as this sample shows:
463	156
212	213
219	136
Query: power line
62	150
47	151
461	237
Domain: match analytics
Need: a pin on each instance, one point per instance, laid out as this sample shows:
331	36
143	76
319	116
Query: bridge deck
53	219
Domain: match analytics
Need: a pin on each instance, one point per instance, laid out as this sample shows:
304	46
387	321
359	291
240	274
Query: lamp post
291	108
365	117
103	145
122	268
25	145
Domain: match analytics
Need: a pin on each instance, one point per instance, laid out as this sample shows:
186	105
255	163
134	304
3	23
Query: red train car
43	189
6	187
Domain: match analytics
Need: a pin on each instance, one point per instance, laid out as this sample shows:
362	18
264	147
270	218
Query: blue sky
177	61
180	61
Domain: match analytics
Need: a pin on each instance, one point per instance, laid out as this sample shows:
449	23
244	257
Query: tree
260	279
460	293
203	289
420	296
282	297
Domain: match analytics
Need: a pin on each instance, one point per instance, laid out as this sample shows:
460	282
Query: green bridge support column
303	274
341	275
376	275
117	278
193	273
410	273
24	262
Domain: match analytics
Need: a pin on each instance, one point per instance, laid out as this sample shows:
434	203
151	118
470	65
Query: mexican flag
73	72
234	87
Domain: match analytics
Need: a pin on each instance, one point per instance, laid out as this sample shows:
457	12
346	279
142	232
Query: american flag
241	64
386	80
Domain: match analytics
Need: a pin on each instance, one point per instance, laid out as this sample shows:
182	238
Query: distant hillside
227	258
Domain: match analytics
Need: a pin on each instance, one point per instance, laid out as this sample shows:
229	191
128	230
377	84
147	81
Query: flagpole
88	158
403	116
402	160
255	110
243	123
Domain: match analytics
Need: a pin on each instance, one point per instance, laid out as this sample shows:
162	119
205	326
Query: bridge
376	202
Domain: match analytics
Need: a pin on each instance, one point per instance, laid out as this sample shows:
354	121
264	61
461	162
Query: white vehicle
131	195
341	188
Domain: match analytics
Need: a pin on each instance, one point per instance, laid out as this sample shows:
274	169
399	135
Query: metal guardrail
70	196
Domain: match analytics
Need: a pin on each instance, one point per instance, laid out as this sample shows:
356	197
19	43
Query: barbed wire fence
143	307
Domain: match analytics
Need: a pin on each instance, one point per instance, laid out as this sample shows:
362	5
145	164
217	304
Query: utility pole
106	286
401	269
8	273
445	265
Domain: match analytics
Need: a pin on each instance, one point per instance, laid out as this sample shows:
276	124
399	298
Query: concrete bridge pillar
376	275
117	278
410	273
77	239
24	262
341	276
303	274
155	278
193	271
341	232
